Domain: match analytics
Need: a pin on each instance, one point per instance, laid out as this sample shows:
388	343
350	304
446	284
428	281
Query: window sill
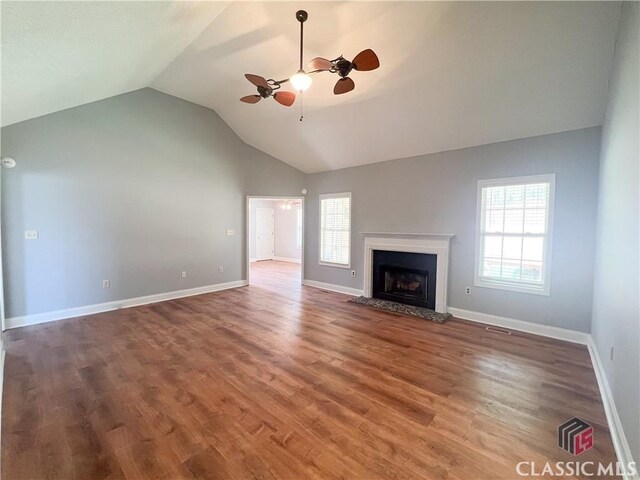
336	265
512	287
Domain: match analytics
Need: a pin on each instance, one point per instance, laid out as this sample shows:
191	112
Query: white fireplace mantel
436	244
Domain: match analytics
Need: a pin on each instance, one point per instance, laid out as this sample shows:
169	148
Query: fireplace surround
437	248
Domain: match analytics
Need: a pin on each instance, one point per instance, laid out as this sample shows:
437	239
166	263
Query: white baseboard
2	359
620	443
287	259
23	321
522	326
333	287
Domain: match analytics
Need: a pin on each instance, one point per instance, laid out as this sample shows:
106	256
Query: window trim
324	196
478	281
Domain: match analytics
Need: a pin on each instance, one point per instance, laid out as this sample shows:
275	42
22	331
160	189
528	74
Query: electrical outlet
220	269
106	284
467	291
183	274
230	232
31	234
611	353
353	273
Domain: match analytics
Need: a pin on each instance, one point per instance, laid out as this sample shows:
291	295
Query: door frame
247	240
2	313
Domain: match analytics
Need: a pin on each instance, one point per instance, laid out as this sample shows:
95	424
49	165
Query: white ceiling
452	75
59	54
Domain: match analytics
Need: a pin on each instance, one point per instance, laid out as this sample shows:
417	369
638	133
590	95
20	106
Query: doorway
274	239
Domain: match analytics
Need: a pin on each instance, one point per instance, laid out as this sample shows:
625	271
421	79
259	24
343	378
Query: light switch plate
230	233
30	234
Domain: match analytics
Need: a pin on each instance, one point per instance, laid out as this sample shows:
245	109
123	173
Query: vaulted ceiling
452	75
59	54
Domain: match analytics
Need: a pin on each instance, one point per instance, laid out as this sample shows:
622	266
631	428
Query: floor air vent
503	331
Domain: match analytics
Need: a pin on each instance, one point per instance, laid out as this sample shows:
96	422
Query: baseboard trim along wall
522	326
2	360
620	443
287	259
544	330
572	336
23	321
619	439
332	287
623	452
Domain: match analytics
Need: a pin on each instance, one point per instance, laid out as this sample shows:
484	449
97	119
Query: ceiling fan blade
285	98
251	99
320	63
344	85
366	60
257	80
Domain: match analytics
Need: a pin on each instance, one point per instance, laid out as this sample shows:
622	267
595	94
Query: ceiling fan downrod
302	16
301	81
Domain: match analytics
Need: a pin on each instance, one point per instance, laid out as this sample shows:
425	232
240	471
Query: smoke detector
7	162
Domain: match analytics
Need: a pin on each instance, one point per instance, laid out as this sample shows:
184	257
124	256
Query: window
299	228
335	229
514	221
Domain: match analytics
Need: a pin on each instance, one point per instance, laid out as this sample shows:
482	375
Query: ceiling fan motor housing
344	67
264	91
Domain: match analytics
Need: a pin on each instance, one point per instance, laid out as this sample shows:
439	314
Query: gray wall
437	194
616	312
139	187
134	189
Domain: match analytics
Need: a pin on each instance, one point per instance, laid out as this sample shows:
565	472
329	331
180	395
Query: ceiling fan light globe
301	81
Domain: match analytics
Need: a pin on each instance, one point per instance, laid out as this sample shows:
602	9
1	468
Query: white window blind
335	229
514	242
299	228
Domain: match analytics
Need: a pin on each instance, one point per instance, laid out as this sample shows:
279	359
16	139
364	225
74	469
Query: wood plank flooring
281	381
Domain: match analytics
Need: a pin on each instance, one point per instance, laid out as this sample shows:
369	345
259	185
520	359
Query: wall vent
503	331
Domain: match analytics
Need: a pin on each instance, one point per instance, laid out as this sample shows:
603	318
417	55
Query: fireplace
434	246
405	277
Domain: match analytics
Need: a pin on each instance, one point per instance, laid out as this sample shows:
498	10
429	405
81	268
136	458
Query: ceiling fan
266	89
363	62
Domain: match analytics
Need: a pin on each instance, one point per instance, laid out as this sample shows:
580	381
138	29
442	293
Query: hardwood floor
281	381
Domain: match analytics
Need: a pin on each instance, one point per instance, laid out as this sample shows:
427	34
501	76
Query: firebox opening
401	281
405	277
